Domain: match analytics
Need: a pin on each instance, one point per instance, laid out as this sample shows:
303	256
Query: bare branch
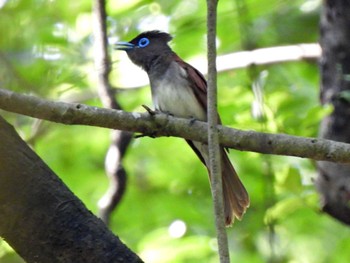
270	55
119	139
213	136
164	125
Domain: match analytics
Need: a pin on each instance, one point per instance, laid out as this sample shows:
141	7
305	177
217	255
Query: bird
179	89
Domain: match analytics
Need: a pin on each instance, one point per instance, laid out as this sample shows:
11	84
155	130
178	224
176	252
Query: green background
46	49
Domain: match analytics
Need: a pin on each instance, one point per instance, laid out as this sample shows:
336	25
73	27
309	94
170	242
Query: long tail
236	198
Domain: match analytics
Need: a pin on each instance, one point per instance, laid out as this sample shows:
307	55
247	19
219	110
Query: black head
146	47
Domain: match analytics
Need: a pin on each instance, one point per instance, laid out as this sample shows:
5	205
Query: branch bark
120	140
213	136
164	125
334	179
41	218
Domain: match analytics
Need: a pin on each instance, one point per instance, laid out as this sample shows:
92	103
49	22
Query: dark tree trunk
333	181
41	218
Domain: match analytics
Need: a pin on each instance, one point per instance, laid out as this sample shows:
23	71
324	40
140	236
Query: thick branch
333	181
41	218
163	125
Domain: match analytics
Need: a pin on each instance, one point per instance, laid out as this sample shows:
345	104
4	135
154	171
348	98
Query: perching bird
181	90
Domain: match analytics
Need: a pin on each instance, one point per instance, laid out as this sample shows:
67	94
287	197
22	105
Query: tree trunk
41	218
333	181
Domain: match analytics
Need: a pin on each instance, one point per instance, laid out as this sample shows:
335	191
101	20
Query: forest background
166	212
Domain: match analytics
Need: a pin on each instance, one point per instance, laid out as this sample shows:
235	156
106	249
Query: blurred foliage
166	214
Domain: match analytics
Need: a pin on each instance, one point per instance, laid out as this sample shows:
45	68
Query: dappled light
268	81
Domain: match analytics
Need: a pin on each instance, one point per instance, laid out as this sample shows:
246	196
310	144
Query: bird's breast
172	93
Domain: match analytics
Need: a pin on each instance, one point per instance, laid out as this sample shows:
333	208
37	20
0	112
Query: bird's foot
152	113
168	113
149	110
145	135
192	120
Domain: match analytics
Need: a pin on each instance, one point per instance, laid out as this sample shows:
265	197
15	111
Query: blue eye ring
143	42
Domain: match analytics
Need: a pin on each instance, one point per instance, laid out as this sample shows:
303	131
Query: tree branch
41	218
164	125
267	56
120	140
333	180
213	136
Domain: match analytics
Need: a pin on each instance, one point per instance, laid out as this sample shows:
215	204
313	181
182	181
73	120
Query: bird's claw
192	120
168	113
144	135
149	110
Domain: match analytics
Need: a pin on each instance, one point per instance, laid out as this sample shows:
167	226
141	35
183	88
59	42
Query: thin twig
213	137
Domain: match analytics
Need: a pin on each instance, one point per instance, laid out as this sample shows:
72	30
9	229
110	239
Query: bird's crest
155	34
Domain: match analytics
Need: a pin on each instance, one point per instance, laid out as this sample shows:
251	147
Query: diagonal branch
163	125
41	218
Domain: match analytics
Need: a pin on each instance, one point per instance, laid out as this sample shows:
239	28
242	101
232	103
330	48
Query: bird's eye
143	42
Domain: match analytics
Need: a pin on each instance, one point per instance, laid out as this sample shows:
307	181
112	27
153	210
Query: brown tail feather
236	199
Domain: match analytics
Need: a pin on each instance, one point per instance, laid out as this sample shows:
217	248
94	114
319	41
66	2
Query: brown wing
197	81
236	199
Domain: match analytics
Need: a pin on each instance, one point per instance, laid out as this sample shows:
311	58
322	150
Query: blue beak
124	46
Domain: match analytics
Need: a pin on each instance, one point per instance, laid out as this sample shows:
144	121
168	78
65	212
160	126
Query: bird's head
146	47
